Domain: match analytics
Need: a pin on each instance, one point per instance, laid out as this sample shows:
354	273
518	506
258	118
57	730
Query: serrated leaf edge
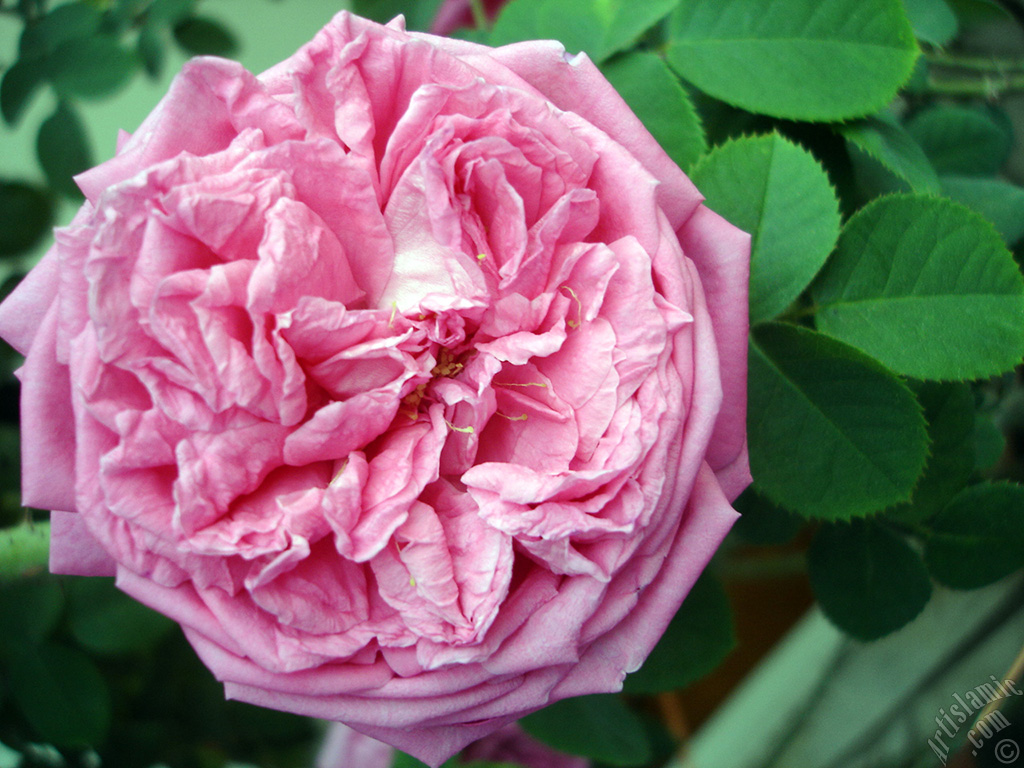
900	380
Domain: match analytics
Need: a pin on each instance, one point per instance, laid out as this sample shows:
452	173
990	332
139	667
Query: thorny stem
981	76
990	88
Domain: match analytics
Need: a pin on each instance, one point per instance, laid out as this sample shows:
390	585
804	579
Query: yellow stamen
579	307
446	365
518	384
481	256
520	417
394	311
412	401
464	430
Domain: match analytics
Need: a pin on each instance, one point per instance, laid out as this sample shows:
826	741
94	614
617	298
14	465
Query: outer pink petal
412	714
226	620
74	551
47	424
209	103
624	648
22	312
721	253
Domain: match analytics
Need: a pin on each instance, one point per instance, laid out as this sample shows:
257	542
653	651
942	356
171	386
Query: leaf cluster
90	677
82	51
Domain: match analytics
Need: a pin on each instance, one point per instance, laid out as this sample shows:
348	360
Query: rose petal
48	442
74	551
720	253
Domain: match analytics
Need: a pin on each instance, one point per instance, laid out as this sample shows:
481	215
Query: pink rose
407	376
346	748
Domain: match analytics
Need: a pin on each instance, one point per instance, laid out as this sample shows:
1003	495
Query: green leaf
29	609
999	201
971	12
832	434
91	68
599	28
600	727
654	93
820	60
927	287
776	191
763	522
63	149
61	693
119	16
418	15
870	179
168	12
698	638
978	537
989	441
108	622
26	214
949	411
917	83
65	22
151	50
867	579
933	21
204	37
961	140
884	139
19	84
472	35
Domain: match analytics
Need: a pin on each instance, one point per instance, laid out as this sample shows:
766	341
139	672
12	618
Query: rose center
448	365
